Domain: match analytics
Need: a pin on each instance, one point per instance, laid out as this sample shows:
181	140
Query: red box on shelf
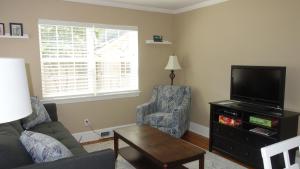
229	121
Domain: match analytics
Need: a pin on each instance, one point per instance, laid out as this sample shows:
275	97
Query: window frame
96	96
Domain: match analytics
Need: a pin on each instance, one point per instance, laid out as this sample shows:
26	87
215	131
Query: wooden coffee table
152	149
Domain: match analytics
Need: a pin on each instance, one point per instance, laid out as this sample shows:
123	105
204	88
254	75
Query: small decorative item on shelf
16	29
2	29
263	121
229	121
157	38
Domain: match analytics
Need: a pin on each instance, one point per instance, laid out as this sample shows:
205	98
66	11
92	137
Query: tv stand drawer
240	151
245	137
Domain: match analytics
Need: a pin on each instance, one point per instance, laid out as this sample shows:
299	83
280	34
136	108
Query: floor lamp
14	94
172	65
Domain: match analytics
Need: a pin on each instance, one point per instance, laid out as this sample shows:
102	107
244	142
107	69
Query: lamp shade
14	94
173	64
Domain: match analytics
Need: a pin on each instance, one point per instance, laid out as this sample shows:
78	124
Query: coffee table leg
201	163
116	145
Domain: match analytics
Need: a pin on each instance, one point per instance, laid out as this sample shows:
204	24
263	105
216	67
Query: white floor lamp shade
14	94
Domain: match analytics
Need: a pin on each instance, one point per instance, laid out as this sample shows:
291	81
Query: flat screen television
260	85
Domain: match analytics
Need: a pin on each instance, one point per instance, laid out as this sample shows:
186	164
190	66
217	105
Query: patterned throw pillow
39	114
43	148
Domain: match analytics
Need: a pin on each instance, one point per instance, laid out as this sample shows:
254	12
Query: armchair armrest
104	159
52	111
180	116
144	109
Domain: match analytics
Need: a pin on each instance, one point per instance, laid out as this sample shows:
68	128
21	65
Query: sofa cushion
60	133
104	159
43	148
12	152
17	125
39	114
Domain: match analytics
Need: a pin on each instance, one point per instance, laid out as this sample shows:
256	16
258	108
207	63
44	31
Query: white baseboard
92	136
199	129
87	136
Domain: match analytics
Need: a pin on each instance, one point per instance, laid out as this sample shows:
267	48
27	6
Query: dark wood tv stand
240	143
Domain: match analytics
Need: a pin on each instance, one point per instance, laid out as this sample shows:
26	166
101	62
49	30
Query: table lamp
14	94
172	65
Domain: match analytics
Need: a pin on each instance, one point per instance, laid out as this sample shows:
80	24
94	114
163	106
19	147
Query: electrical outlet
105	134
86	122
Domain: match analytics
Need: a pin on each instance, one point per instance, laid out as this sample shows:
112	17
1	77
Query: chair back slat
278	148
294	166
286	159
266	159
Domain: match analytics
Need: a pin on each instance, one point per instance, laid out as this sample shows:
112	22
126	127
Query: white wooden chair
281	147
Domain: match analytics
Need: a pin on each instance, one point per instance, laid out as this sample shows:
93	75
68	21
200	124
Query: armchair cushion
159	119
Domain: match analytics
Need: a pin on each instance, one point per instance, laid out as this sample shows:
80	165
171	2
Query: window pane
63	72
78	60
116	58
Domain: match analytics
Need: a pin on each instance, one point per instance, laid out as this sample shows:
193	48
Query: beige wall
207	41
108	113
246	32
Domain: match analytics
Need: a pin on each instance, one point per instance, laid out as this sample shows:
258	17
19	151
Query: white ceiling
165	6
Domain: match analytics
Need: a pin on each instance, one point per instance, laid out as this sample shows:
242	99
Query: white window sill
104	96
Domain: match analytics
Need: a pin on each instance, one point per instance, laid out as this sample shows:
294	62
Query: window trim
88	98
98	96
84	24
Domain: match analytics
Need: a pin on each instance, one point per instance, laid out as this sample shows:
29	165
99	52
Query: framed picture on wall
16	29
2	29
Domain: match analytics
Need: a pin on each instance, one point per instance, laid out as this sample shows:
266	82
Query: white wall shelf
8	36
158	43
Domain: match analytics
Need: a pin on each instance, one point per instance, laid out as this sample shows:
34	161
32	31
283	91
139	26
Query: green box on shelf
157	38
260	121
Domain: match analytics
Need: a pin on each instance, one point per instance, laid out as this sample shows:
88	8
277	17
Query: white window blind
87	59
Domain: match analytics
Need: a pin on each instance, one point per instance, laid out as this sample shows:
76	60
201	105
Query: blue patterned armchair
167	109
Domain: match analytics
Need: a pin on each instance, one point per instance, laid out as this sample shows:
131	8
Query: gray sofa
14	155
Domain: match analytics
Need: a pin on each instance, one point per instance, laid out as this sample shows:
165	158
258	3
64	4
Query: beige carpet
212	161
